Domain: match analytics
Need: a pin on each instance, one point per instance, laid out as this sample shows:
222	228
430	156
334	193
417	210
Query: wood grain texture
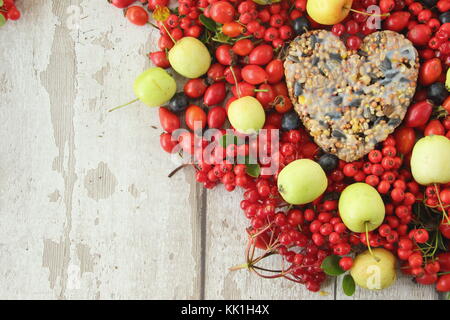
87	210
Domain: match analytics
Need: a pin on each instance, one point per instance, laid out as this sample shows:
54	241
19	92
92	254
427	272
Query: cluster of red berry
430	30
297	235
270	23
8	11
247	44
427	29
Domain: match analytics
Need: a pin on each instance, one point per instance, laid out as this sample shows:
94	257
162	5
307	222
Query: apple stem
368	14
444	217
238	90
261	90
368	242
178	169
168	33
239	267
153	25
124	105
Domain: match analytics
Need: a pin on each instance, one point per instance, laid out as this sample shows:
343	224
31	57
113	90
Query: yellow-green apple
328	12
302	181
246	115
190	57
430	160
374	272
154	87
361	207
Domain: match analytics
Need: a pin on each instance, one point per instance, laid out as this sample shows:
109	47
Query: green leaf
330	265
1	3
2	20
253	170
348	285
222	38
209	24
228	139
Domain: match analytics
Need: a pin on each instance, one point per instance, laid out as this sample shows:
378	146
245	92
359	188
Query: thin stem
239	267
440	203
261	90
368	14
264	276
268	270
168	33
436	245
124	105
252	253
247	250
368	243
265	255
238	90
153	25
178	169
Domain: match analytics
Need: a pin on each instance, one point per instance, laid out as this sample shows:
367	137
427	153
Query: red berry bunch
270	23
8	11
292	234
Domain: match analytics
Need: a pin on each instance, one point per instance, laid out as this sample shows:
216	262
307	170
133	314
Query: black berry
290	121
178	103
328	162
437	92
445	17
300	25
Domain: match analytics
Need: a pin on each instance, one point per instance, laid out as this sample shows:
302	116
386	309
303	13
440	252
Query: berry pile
424	22
8	11
248	42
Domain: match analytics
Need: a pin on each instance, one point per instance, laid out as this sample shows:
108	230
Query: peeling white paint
100	182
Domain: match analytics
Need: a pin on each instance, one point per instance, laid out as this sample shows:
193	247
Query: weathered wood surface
86	208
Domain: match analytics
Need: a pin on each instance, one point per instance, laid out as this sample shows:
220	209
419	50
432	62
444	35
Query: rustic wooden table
86	208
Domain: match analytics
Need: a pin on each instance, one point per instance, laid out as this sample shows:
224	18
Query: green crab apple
302	181
328	12
190	57
374	271
246	115
361	207
430	160
154	87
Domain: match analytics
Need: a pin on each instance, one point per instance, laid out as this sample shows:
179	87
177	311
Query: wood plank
87	208
225	244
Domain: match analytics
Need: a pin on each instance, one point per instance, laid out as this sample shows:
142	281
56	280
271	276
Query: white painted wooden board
86	208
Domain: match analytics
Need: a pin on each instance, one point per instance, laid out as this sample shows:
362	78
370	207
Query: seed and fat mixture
349	101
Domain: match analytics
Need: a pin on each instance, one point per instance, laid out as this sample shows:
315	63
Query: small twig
440	203
178	169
